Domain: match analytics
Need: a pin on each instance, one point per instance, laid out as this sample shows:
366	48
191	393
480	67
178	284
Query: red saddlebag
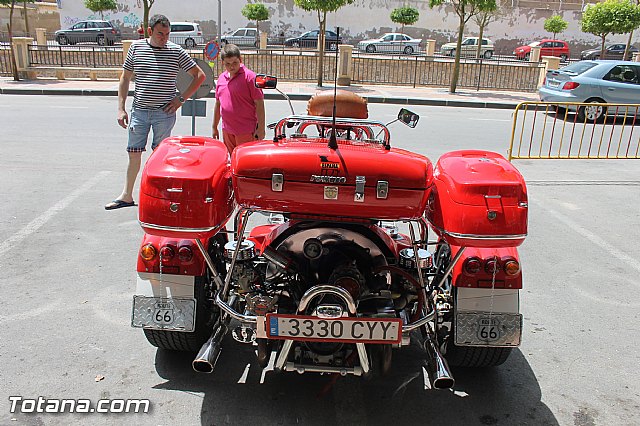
479	200
186	188
358	180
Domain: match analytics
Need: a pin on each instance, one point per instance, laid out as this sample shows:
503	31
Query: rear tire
206	312
475	357
563	58
371	49
101	40
592	114
408	50
63	40
187	341
333	46
488	54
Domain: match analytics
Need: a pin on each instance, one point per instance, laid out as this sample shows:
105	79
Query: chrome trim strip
175	228
480	237
320	289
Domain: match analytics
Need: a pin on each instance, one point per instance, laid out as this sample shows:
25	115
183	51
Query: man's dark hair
230	51
159	19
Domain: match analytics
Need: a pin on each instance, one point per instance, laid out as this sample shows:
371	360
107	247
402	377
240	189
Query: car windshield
534	44
578	68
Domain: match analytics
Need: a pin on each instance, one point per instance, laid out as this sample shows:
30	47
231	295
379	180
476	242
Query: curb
276	96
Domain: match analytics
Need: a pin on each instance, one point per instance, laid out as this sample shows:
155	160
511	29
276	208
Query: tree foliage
482	19
405	16
256	12
100	6
555	25
321	7
465	9
610	17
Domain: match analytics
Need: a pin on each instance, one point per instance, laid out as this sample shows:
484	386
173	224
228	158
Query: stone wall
521	22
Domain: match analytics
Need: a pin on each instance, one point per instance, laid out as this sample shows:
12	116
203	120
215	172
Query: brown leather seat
348	105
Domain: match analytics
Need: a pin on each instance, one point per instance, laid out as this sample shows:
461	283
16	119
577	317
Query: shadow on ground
505	395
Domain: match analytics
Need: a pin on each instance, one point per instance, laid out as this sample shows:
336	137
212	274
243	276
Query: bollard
430	48
636	57
345	64
126	44
534	55
41	38
21	50
263	40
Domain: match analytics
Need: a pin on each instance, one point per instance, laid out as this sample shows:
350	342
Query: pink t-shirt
237	97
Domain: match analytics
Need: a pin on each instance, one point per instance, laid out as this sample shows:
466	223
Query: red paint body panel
186	188
460	278
409	177
470	187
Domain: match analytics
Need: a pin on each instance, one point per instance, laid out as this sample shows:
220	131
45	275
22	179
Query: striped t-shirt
156	69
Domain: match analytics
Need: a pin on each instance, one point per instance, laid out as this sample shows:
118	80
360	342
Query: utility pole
219	20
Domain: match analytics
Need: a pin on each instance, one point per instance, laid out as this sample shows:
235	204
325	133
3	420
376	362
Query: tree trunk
456	63
602	54
26	18
257	34
626	49
145	15
321	42
14	65
479	50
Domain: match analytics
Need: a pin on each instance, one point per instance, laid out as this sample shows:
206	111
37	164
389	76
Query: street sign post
192	107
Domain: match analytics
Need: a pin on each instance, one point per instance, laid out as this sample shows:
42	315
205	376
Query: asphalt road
68	274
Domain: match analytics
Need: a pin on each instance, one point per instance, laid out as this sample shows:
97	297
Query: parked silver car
469	48
602	81
96	31
242	37
391	43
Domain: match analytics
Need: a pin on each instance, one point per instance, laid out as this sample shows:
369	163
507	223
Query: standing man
155	62
238	101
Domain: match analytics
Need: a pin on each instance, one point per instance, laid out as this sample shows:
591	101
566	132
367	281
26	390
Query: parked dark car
611	51
310	39
101	32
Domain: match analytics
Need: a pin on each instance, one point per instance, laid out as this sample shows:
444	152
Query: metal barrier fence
5	62
551	130
75	56
434	71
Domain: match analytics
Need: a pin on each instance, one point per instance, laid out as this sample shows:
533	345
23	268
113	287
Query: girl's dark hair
230	51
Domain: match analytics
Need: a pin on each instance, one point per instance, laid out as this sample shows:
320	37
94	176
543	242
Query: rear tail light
167	253
472	265
148	252
491	266
185	254
113	31
511	267
570	85
199	33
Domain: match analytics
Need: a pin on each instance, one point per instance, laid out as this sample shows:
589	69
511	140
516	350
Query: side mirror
264	81
409	118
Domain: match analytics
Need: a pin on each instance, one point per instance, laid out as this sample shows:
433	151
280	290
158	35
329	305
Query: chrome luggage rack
352	129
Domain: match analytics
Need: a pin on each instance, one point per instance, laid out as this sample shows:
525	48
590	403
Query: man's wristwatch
181	99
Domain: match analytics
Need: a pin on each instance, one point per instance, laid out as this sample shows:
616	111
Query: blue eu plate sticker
273	326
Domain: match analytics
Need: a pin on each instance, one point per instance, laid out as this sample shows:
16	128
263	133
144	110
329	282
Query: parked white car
391	43
469	48
242	37
187	34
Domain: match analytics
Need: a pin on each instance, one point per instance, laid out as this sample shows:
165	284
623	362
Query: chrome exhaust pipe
205	361
439	373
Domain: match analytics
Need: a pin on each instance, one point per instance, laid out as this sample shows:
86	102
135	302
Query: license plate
163	314
346	329
553	83
484	329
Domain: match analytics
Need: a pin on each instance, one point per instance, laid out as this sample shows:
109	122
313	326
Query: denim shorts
142	121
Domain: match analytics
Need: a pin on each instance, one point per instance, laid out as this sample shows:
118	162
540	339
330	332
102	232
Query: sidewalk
406	95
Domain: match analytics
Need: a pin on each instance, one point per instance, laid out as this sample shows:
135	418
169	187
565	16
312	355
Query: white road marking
39	221
613	251
488	119
69	107
245	373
